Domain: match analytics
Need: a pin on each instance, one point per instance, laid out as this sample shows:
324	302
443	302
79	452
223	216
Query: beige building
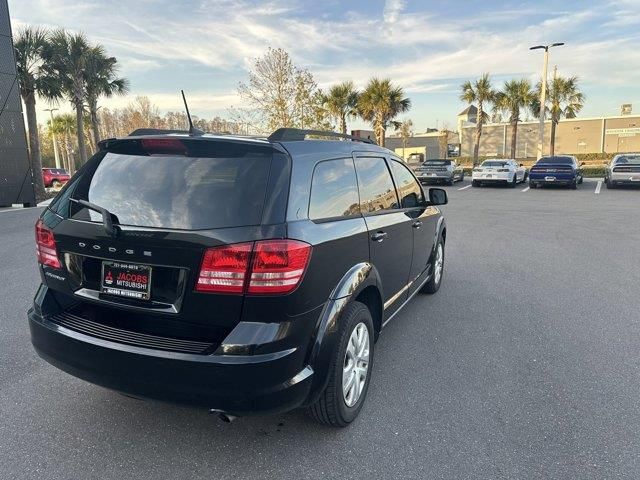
579	135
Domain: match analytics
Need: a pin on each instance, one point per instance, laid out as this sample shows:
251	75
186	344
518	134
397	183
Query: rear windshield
493	163
437	162
567	160
178	192
628	159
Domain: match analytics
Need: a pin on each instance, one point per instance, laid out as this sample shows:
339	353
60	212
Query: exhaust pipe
222	415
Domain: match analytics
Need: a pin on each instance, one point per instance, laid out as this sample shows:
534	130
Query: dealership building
606	135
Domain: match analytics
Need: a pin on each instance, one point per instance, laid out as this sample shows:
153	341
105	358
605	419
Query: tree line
59	65
564	100
282	94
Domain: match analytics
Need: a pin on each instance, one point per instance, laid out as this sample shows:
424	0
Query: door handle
417	224
379	236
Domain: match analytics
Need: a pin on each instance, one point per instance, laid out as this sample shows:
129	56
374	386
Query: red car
55	177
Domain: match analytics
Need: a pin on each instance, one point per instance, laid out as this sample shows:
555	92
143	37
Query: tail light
46	246
224	269
263	267
278	266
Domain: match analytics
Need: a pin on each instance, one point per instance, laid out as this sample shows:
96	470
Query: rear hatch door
170	200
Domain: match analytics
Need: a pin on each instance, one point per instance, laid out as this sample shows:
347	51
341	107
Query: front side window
334	190
408	189
377	191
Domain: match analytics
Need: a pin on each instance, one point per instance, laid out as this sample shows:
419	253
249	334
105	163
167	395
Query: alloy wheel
356	365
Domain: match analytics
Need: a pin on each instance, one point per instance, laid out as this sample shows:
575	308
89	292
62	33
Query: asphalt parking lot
524	365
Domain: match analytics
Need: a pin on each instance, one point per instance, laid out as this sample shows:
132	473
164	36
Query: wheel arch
361	283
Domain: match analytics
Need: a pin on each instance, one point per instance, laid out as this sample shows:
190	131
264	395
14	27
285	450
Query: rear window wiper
107	216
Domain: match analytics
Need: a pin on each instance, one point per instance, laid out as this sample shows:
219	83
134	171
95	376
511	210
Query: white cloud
423	51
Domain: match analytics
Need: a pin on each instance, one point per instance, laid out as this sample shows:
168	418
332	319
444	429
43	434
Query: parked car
55	177
556	170
499	172
624	169
243	275
439	171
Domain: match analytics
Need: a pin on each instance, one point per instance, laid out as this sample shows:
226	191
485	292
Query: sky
428	47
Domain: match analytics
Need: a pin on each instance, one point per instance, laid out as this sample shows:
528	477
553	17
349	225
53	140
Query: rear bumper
237	384
551	179
438	178
625	178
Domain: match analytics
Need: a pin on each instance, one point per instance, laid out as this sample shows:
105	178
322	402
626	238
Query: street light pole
543	93
53	136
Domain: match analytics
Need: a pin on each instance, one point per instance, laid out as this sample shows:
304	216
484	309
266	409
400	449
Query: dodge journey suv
244	275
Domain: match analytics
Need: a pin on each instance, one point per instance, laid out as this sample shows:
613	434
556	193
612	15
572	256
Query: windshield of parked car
493	163
567	160
628	159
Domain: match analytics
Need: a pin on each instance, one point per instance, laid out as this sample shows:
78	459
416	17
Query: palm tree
516	96
65	126
405	130
565	100
380	103
65	59
28	48
341	102
101	81
480	92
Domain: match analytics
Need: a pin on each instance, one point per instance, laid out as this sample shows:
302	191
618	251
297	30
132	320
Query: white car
499	171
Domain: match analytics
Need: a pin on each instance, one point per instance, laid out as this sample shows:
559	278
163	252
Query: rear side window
334	190
408	189
377	191
566	160
178	192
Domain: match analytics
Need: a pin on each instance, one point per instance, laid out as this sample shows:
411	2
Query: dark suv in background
245	275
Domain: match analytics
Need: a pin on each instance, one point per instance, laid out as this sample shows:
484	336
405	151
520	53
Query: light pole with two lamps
543	92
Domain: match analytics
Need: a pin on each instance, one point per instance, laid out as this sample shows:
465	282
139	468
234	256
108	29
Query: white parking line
525	189
598	187
464	188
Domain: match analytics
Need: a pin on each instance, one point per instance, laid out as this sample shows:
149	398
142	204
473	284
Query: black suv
245	275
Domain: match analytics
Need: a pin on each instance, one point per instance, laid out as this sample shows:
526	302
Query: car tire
475	183
332	407
514	182
581	180
451	181
609	184
574	185
433	285
525	177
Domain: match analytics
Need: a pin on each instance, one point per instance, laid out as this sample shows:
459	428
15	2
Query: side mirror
582	164
522	164
438	196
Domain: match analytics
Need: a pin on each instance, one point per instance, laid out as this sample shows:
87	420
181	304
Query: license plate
549	179
126	280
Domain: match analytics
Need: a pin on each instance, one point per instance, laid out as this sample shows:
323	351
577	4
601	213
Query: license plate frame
549	179
126	280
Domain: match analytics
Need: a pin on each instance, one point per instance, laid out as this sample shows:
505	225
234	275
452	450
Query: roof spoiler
297	134
154	131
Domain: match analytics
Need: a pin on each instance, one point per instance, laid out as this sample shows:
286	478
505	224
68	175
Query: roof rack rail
298	134
154	131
